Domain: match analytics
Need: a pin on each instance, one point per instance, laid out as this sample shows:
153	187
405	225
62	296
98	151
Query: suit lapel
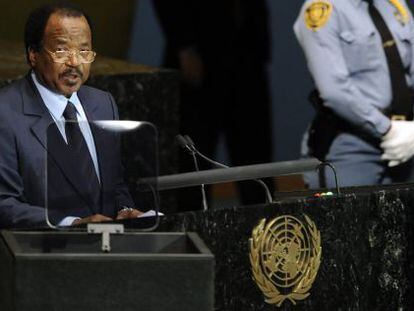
33	105
46	131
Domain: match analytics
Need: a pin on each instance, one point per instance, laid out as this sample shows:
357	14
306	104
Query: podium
49	270
367	260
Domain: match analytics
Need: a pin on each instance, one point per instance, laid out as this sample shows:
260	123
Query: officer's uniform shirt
347	61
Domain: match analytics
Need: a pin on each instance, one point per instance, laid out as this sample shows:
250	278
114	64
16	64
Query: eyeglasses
84	56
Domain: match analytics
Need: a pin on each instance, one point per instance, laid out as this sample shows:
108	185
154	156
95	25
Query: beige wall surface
112	21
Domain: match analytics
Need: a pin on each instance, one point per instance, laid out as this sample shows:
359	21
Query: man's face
62	33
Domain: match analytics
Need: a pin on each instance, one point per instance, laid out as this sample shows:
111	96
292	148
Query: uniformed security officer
361	56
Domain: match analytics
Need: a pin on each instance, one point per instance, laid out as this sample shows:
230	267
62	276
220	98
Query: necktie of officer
401	97
81	154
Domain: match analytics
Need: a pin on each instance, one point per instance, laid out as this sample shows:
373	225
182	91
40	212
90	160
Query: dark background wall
112	22
289	80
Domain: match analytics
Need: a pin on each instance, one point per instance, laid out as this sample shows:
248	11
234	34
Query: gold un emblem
285	256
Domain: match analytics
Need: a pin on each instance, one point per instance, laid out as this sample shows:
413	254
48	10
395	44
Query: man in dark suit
38	132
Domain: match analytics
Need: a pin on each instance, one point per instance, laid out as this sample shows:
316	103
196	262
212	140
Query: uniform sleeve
411	32
328	68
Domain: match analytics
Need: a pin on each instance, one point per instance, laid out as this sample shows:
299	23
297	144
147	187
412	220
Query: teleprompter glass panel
93	171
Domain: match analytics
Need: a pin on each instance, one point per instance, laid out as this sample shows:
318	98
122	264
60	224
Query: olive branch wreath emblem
300	290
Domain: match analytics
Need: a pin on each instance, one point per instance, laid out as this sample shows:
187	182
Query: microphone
184	144
189	145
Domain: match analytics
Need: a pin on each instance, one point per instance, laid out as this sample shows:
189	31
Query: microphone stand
183	143
188	144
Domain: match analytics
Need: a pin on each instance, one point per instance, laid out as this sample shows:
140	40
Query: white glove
398	143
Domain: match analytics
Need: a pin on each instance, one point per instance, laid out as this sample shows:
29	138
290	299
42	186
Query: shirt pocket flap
347	36
360	49
405	35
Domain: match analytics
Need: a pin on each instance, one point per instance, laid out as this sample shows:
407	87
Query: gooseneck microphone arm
183	143
188	144
191	146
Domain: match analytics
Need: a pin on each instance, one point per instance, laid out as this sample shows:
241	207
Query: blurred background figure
221	49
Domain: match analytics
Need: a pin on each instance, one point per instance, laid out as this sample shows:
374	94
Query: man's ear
32	56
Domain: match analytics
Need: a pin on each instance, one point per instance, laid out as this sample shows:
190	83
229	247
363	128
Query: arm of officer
398	143
411	32
326	62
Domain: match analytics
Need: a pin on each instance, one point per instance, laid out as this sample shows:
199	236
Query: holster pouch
324	128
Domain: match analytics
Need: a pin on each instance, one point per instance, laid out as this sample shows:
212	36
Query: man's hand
128	213
398	143
93	218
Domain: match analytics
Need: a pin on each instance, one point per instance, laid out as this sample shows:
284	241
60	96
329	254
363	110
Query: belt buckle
398	117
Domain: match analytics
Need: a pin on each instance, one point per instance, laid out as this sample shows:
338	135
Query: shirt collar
55	102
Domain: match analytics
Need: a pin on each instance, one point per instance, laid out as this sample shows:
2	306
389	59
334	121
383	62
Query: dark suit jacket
24	126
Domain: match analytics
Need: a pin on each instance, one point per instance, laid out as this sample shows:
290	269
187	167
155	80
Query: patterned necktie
81	155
